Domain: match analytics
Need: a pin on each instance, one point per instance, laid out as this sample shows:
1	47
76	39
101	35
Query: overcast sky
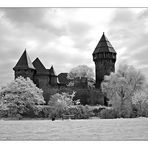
67	37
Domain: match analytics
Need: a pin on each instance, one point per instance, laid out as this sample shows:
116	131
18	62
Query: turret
104	57
24	67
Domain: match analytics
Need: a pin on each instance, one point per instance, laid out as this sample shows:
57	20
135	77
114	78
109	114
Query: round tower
104	57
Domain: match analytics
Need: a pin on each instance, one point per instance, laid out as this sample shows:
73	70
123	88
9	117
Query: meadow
74	130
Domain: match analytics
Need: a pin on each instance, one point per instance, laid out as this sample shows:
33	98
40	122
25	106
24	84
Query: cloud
22	16
48	33
129	32
66	37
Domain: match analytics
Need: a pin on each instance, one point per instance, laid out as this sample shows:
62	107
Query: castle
104	57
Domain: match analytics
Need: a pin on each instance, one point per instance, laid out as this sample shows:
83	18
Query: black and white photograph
73	74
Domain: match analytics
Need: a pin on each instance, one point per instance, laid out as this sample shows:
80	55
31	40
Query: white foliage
20	93
81	71
120	87
62	101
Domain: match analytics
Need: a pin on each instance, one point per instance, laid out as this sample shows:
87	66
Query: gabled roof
104	45
39	66
24	62
63	78
52	71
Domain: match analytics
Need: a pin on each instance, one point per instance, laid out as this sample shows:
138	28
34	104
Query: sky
67	37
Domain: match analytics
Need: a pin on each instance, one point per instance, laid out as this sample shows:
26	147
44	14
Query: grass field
95	129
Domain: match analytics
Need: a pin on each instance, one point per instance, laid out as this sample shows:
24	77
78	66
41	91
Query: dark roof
63	78
52	71
24	62
104	45
39	67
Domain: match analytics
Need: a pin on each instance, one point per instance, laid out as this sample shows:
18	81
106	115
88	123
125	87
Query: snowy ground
95	129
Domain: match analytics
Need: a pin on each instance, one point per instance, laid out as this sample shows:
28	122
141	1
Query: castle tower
104	57
41	77
24	67
53	77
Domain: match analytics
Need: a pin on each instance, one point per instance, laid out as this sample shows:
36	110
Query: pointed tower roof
39	66
52	71
104	45
24	62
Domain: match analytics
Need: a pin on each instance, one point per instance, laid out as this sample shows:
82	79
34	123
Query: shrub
83	95
80	112
42	111
60	103
140	103
97	109
65	90
45	111
3	113
18	117
89	96
108	113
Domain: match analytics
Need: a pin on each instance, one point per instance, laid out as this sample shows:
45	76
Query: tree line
126	91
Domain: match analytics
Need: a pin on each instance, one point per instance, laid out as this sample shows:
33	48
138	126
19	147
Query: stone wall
80	82
25	73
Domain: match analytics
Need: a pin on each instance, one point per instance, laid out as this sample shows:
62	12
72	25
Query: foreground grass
95	129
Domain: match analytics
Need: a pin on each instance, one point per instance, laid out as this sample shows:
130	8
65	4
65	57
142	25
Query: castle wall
80	82
104	65
42	81
25	73
53	80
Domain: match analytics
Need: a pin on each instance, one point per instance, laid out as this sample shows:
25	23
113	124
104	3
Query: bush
140	103
140	110
108	113
3	113
89	96
97	109
60	103
65	90
42	111
83	95
80	112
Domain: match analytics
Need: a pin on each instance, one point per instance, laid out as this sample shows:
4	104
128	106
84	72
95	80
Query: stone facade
42	77
81	82
104	57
